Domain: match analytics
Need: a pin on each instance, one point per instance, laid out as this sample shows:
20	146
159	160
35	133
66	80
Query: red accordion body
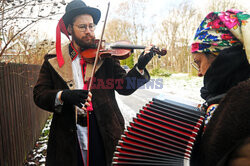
163	133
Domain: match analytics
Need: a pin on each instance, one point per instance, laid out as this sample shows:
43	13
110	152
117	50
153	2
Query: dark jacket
230	123
62	144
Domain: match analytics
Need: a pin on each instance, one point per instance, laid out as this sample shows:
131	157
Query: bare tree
222	5
118	30
128	25
28	48
133	12
17	16
177	31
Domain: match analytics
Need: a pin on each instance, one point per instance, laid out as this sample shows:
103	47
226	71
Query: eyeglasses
195	66
83	27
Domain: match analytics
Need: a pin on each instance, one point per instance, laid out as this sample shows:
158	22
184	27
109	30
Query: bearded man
62	89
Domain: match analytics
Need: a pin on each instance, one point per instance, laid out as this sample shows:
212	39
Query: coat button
70	85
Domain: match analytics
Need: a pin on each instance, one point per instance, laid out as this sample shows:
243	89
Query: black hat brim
94	12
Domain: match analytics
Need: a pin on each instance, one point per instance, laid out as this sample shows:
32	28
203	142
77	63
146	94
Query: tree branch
6	45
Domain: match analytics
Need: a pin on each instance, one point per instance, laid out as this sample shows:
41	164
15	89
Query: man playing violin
76	139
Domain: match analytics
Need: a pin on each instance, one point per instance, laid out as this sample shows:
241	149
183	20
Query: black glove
74	97
144	59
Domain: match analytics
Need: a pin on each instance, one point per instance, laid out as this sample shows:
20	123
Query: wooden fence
20	119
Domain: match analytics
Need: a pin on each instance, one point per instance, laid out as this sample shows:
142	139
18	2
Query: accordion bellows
163	133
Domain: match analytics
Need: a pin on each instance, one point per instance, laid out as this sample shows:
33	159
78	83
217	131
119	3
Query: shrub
160	72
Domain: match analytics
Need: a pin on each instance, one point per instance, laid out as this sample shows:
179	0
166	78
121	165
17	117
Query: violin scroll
161	52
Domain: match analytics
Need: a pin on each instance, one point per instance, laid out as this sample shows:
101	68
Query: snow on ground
176	86
38	154
183	86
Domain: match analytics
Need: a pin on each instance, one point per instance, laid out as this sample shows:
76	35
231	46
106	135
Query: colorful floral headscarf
220	30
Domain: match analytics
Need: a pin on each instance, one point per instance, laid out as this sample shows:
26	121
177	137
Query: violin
119	50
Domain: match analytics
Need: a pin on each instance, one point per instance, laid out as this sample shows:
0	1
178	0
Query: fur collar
66	70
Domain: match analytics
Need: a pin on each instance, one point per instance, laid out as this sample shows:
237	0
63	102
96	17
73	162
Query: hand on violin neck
145	57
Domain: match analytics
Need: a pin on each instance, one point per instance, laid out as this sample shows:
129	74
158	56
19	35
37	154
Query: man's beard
82	42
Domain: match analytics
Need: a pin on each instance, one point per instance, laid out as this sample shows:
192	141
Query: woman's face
202	62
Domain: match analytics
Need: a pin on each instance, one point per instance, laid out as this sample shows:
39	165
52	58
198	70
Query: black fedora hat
78	7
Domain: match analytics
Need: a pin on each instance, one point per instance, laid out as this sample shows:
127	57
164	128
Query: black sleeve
129	82
44	93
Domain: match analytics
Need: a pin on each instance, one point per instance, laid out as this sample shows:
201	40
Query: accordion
163	133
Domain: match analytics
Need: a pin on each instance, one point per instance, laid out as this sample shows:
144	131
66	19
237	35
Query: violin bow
98	49
93	72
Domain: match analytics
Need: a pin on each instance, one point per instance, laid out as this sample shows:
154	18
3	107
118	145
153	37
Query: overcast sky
155	11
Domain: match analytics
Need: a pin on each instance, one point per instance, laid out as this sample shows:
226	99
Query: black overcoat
62	144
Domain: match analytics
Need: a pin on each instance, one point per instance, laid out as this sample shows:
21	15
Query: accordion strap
213	100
